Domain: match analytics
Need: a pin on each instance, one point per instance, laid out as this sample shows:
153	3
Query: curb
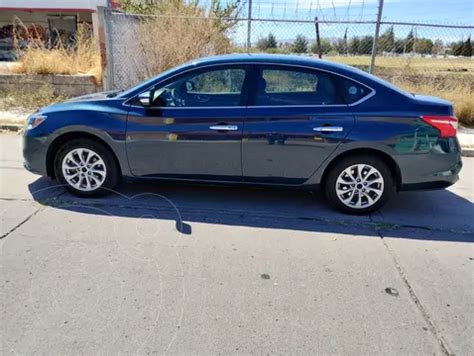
467	152
11	127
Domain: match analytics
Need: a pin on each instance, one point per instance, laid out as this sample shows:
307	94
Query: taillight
446	125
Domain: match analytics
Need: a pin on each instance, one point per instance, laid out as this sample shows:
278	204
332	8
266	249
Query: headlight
34	121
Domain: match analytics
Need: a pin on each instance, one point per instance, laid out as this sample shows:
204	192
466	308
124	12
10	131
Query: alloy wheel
83	169
359	186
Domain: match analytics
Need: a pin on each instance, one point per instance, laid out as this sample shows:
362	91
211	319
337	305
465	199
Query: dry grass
38	58
457	91
424	65
28	99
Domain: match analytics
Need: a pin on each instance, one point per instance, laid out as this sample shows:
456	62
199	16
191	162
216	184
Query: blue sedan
252	119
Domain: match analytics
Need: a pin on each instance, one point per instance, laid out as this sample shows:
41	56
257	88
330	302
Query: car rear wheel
86	168
359	184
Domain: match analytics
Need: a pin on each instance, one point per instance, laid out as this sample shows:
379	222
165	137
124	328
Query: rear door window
288	86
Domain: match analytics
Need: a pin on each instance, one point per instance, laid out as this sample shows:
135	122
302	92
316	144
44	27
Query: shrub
180	32
80	56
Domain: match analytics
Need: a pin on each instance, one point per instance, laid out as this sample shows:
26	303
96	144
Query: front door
295	120
193	129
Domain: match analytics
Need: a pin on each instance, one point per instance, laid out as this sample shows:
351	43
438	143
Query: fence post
100	27
376	37
249	26
318	38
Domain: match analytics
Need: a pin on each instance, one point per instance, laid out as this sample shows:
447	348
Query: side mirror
145	98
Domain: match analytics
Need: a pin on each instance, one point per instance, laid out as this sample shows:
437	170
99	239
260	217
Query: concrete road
156	269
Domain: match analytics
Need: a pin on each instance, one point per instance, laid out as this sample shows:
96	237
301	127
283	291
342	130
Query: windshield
143	85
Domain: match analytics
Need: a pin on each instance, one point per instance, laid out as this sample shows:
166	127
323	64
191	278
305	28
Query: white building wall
52	4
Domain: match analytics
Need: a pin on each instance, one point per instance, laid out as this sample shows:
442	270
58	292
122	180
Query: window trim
250	67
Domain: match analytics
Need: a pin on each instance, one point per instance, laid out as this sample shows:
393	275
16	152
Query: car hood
96	96
102	100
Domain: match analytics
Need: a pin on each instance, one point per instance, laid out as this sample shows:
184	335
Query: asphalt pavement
174	268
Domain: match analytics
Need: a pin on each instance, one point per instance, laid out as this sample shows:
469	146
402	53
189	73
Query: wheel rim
359	186
83	169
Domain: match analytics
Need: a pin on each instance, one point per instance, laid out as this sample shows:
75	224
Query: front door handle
328	129
224	127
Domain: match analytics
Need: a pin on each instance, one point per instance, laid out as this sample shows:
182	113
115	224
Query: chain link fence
125	62
404	51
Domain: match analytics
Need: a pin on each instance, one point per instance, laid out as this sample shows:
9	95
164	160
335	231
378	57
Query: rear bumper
432	185
437	169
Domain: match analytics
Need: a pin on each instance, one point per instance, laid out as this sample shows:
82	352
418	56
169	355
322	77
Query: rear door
295	119
193	130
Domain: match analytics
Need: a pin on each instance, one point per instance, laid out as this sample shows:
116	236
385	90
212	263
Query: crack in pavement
41	208
22	222
416	300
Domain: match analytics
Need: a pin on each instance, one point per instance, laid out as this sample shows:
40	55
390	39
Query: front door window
211	88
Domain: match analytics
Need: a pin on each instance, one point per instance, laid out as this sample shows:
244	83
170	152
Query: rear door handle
224	127
328	129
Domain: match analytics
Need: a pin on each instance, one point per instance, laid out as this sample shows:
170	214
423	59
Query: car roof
271	58
300	60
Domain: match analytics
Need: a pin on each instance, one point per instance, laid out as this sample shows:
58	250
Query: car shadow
434	215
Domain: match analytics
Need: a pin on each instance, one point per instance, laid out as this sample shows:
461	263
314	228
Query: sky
451	12
446	11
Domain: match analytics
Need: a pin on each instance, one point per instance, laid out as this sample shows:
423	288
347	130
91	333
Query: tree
272	43
424	45
145	7
409	42
300	45
354	45
326	46
267	43
467	48
399	46
457	48
386	42
366	43
223	15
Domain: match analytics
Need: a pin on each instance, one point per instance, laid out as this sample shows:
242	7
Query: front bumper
35	150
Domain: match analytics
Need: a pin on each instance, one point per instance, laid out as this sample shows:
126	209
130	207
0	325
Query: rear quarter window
353	92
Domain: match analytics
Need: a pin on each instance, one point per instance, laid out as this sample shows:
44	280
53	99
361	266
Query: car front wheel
86	168
359	184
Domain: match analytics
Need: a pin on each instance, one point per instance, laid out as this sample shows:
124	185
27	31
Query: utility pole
376	37
249	26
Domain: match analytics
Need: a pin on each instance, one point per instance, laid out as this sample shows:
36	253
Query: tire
102	171
358	193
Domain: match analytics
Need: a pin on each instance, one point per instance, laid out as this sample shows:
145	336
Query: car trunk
434	105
